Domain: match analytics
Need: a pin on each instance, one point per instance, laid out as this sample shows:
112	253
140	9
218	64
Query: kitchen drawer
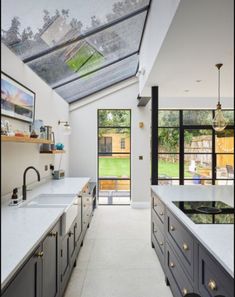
213	280
157	221
158	236
179	282
182	241
158	207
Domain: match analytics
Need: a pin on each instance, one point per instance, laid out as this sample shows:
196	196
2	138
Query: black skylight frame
83	36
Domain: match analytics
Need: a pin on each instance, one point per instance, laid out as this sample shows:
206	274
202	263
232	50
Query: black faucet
24	189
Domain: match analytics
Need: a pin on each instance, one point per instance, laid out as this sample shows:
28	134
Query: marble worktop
218	239
22	228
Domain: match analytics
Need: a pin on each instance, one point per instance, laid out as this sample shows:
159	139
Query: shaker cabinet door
51	263
28	280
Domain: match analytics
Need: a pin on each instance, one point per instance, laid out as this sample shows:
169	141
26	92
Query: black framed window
190	151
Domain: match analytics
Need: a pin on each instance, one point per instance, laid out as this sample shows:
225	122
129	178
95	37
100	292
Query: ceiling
76	48
200	36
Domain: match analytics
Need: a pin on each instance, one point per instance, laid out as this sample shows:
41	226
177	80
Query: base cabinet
188	266
28	280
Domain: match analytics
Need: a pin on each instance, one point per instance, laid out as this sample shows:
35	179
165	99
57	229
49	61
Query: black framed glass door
114	156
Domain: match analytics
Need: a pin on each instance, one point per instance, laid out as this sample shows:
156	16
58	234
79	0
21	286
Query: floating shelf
54	152
24	139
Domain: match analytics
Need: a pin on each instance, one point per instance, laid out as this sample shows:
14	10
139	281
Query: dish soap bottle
14	196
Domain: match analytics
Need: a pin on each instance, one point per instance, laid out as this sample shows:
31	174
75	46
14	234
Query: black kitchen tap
24	189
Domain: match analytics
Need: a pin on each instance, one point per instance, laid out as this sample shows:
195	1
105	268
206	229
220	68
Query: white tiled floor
117	259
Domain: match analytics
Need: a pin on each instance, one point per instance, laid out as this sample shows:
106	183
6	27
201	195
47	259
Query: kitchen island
202	252
24	228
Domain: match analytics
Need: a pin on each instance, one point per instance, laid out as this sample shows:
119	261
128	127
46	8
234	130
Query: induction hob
207	212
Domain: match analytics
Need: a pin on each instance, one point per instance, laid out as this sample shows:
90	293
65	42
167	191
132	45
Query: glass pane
168	166
229	116
168	182
198	181
197	166
114	191
96	51
114	166
168	118
197	117
29	27
114	140
224	141
225	166
114	118
198	141
99	80
224	182
168	140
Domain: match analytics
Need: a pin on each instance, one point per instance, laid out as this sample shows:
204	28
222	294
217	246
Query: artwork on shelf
17	101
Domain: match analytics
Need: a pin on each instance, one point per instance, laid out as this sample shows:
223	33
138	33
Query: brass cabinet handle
39	254
172	228
212	285
172	264
185	247
184	291
53	234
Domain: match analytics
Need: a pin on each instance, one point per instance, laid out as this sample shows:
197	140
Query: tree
12	35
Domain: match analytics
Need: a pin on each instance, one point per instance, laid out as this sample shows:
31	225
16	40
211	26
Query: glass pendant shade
219	122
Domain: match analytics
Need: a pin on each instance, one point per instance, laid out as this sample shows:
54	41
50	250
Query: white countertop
218	239
22	229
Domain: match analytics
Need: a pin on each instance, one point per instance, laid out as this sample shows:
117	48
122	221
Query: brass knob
84	205
53	234
172	228
172	264
161	243
212	285
185	247
184	291
39	254
161	213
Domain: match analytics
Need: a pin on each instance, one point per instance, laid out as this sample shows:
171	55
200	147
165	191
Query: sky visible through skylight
30	12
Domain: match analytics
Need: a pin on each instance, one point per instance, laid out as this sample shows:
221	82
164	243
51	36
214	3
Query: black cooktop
207	212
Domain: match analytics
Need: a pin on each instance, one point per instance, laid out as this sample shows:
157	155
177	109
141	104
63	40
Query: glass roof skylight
72	44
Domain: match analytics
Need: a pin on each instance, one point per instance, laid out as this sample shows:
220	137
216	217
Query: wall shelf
24	139
54	152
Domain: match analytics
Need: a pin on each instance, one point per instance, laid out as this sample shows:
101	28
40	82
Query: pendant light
219	122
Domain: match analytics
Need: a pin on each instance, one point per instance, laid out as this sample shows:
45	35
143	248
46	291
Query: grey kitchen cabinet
39	276
28	280
50	263
188	266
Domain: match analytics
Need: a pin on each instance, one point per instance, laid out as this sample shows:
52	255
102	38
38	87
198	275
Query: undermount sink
68	202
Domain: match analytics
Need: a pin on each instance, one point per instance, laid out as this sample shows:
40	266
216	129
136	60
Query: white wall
50	108
158	22
194	102
83	144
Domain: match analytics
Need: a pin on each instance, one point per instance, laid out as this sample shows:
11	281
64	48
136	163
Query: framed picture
17	101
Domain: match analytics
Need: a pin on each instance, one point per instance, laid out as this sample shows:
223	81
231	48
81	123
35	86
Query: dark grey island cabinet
188	266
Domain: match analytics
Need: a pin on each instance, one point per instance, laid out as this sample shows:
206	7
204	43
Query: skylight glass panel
30	27
99	80
100	49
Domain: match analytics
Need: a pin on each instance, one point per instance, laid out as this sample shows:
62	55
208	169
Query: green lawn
170	169
118	167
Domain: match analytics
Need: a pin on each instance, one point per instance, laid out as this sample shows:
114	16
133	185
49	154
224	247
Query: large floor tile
124	283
